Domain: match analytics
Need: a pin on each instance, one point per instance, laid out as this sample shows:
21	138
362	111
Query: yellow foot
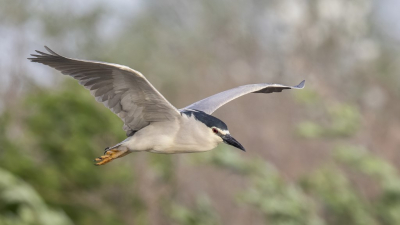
110	155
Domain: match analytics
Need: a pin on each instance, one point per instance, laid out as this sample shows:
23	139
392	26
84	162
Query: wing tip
43	55
301	85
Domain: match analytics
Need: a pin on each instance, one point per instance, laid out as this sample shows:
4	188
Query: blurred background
328	154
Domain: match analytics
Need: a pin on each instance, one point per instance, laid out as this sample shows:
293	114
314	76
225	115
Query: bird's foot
110	155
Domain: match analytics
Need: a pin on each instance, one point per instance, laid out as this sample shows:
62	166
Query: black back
208	120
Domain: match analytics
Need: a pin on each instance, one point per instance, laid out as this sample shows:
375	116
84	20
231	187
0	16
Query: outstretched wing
123	90
212	103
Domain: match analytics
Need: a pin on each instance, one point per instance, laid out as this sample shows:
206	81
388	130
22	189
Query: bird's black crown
208	120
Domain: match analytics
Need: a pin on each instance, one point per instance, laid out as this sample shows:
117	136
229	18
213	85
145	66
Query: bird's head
226	137
216	128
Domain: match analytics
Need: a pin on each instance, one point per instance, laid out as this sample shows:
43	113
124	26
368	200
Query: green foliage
386	206
63	132
344	121
20	204
332	188
202	213
340	202
308	129
280	203
325	196
307	96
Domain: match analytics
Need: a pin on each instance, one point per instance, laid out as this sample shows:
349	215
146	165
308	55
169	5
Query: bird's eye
215	130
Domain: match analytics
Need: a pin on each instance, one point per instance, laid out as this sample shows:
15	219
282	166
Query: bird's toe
110	155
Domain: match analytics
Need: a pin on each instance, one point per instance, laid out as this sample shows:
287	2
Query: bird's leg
110	155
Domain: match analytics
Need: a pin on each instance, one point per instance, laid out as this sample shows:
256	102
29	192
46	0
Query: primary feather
123	90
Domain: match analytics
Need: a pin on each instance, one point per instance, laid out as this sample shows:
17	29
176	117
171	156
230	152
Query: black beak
228	139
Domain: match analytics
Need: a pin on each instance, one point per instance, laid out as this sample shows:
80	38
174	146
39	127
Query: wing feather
124	91
212	103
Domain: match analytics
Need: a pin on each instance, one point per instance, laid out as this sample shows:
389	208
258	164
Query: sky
388	15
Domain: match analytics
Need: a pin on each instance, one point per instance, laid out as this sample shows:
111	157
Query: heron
151	122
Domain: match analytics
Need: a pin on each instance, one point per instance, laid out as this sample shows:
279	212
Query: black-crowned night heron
150	121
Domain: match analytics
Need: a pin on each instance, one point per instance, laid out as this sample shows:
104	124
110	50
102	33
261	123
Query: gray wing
123	90
212	103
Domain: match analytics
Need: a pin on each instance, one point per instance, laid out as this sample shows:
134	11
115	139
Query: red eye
215	130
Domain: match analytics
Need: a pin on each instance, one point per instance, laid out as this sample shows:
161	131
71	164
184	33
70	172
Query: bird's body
150	121
184	135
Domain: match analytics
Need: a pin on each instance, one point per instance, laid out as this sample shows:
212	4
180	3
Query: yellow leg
110	155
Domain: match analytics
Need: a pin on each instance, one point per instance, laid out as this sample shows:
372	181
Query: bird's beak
228	139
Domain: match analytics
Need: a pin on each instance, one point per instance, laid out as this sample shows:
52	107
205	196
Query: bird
151	122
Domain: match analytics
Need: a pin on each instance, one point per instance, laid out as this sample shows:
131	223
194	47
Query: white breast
180	136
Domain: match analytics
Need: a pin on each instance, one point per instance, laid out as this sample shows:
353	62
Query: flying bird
151	122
